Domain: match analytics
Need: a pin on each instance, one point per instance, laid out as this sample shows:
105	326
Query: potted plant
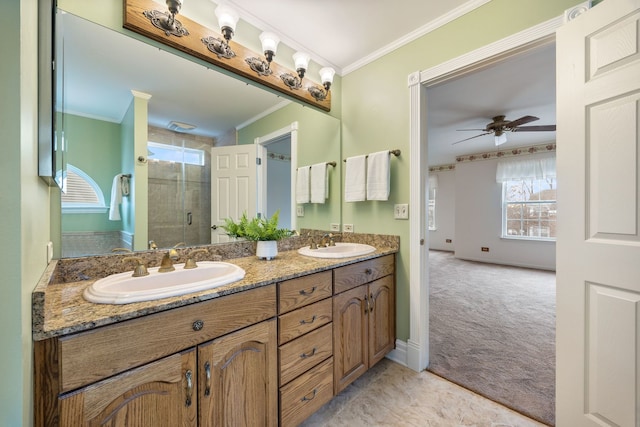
264	231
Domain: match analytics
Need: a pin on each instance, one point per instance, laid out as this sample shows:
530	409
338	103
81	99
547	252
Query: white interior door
233	186
598	246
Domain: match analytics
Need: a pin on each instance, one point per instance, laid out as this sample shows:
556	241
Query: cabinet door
382	330
238	378
161	393
349	336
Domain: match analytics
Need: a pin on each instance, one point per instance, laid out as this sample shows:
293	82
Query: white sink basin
340	250
122	288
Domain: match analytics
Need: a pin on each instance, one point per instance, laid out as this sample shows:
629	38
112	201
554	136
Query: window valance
536	168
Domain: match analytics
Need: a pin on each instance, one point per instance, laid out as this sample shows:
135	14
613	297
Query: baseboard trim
399	354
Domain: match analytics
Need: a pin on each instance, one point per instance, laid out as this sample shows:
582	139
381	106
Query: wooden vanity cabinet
363	318
305	346
211	363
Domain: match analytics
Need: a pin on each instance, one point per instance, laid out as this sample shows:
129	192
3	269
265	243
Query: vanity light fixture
269	47
227	20
301	60
166	21
326	77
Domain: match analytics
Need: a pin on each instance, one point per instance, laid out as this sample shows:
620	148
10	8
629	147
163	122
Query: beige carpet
492	330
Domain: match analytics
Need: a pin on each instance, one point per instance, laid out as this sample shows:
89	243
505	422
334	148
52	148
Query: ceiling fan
499	126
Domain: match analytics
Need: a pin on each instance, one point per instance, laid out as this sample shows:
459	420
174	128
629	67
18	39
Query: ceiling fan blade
521	121
541	128
462	140
476	130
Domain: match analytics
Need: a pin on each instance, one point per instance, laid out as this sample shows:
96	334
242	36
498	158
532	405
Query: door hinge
258	161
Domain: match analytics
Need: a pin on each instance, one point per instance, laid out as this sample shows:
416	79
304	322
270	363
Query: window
174	153
528	199
82	194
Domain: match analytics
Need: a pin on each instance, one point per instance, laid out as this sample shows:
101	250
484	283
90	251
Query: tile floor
393	395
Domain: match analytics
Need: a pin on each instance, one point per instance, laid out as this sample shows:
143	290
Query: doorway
418	343
277	154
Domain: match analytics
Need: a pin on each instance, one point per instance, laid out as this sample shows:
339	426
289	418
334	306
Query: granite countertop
60	308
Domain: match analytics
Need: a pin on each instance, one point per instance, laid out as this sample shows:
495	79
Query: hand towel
354	179
302	184
319	182
378	177
116	198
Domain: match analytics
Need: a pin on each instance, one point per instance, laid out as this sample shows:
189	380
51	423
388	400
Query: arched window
81	193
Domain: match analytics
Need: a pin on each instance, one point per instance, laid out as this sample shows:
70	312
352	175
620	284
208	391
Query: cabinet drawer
350	276
299	355
89	356
303	320
304	290
306	394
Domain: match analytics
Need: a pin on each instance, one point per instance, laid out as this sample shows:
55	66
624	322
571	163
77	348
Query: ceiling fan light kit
499	126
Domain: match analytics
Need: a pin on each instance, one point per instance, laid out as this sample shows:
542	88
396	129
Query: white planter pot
267	249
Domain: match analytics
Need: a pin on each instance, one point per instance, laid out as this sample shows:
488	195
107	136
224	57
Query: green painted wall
24	209
318	141
94	147
375	111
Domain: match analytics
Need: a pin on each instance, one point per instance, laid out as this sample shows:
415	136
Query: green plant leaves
256	228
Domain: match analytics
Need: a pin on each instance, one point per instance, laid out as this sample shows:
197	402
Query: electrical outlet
334	227
485	249
448	240
347	228
300	210
401	211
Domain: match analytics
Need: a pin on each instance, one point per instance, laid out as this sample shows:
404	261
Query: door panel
233	186
598	245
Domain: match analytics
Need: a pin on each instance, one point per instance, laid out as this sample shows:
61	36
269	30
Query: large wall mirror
192	112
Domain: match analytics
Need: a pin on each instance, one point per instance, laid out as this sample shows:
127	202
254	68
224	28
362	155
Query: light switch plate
401	211
300	210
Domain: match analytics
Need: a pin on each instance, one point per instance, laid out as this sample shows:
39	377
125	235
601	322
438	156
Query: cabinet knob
368	271
198	325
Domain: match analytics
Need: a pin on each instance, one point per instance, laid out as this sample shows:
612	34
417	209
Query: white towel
116	198
319	183
378	177
354	179
302	184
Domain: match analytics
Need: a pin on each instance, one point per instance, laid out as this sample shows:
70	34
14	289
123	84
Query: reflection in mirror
96	113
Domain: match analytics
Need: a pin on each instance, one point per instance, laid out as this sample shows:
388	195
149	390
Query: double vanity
268	348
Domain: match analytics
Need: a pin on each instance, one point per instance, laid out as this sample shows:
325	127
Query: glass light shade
326	74
269	42
227	17
500	139
301	59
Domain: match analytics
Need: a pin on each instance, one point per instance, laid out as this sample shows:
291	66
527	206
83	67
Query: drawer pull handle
305	355
306	322
313	395
305	293
372	303
368	271
188	376
198	325
207	373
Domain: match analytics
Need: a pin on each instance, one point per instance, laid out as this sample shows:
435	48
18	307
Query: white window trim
82	208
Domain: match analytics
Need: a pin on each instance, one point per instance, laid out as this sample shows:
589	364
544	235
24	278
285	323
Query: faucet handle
140	269
191	262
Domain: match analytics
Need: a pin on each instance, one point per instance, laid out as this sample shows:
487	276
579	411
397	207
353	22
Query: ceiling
524	85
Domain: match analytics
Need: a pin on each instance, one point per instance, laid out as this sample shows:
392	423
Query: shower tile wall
174	192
